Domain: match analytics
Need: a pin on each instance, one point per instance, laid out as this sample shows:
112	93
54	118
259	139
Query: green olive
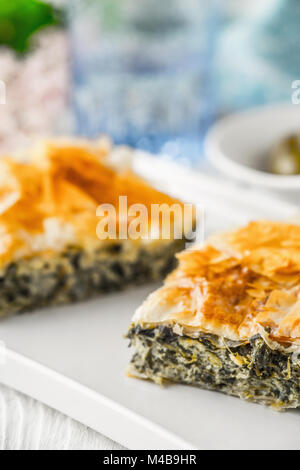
285	157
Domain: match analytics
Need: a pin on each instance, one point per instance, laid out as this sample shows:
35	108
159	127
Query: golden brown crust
240	283
66	181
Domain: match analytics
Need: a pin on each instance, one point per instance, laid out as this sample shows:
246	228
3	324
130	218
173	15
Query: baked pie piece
228	318
50	250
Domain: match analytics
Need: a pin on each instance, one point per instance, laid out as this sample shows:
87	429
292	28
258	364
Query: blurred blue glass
258	56
143	71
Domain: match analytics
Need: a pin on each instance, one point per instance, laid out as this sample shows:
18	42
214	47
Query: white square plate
73	358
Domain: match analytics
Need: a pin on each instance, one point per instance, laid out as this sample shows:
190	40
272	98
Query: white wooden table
26	424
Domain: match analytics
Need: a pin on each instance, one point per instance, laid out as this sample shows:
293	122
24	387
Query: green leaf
20	19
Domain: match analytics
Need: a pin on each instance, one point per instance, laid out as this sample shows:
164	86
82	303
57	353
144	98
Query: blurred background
153	74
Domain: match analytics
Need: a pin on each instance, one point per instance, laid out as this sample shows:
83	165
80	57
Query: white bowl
238	144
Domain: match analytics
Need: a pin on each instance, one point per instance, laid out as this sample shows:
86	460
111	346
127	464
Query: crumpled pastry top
51	196
239	284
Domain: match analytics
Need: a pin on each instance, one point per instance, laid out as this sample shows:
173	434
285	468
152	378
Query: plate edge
86	406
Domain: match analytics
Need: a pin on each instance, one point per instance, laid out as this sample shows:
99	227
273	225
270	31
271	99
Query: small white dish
238	144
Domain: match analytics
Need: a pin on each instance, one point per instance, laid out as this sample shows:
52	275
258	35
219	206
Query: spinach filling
76	274
252	371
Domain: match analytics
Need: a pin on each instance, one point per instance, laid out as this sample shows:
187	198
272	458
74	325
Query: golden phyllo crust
239	284
51	198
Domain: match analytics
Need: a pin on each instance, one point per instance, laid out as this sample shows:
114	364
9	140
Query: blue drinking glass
143	72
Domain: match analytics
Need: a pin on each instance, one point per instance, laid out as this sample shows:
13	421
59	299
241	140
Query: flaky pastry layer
241	283
51	199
